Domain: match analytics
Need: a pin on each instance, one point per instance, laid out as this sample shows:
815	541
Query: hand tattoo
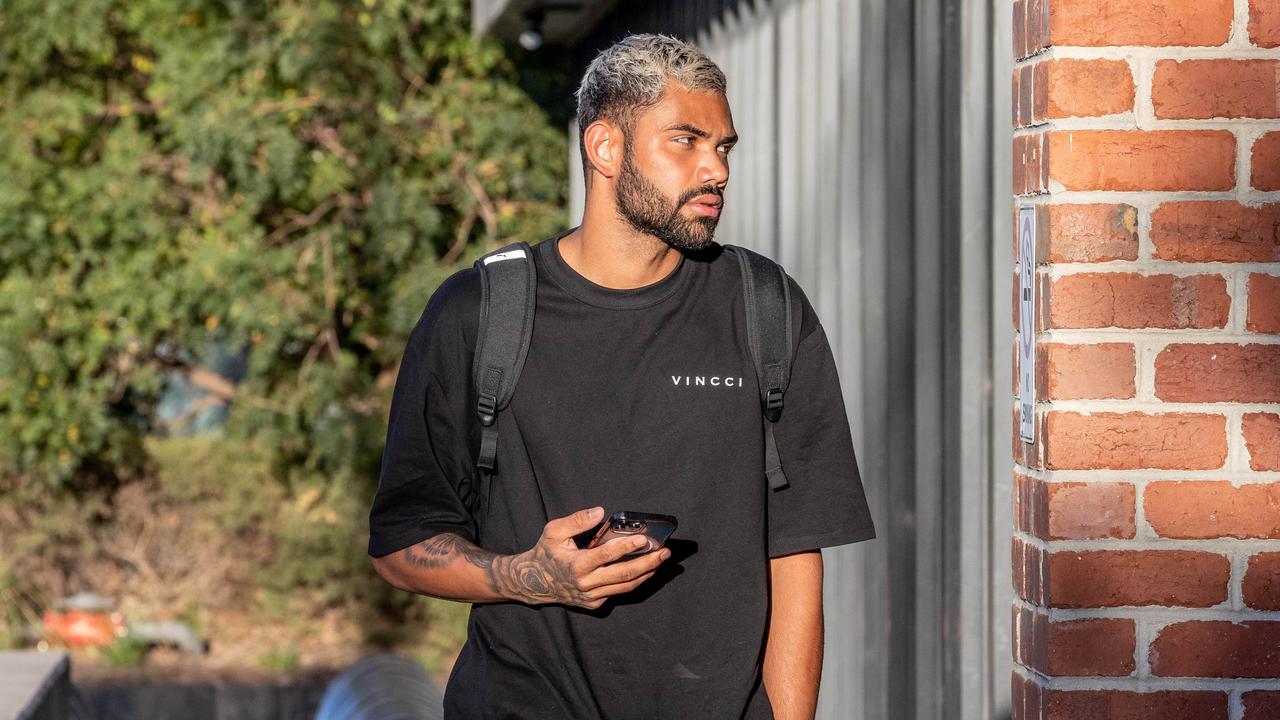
537	577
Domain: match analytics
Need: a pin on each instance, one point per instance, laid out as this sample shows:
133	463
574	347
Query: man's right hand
552	571
556	571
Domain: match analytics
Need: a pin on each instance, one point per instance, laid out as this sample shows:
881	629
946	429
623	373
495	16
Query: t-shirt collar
559	272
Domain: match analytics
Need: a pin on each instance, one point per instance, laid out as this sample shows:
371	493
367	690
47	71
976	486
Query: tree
290	179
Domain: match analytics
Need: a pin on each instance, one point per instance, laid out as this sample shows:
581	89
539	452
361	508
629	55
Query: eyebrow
694	130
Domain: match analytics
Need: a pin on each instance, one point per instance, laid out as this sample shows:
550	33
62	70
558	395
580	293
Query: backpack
508	291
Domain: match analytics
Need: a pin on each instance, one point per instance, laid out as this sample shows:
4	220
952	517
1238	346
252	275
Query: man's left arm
793	649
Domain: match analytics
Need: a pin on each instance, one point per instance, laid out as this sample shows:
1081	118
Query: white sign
1027	320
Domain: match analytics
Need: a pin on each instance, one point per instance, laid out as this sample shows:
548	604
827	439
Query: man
638	394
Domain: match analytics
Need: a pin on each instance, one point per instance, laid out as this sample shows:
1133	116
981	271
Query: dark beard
649	211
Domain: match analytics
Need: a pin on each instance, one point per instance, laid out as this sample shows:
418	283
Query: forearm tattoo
439	550
534	576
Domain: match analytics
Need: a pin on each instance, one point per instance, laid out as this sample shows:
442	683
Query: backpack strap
508	291
767	294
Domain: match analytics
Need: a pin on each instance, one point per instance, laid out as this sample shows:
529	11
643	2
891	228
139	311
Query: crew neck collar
558	271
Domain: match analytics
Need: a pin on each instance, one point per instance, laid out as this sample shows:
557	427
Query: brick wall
1146	556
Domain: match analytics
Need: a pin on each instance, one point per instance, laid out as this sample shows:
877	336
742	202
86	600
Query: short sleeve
428	464
824	503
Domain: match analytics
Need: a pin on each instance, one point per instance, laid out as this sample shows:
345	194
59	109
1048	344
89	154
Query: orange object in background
82	628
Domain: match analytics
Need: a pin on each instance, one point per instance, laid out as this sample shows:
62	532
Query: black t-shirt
642	400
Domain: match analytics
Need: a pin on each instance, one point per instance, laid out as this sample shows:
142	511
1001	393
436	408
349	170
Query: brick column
1146	556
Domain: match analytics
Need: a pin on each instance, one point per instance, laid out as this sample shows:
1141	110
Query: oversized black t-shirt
642	400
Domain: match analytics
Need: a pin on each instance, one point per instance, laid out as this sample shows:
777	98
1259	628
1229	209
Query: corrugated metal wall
865	167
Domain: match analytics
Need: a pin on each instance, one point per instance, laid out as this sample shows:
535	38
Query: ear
603	144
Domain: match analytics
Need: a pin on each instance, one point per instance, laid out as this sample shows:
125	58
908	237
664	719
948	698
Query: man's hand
556	571
553	571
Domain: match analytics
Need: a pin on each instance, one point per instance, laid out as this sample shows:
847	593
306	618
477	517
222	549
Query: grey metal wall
865	167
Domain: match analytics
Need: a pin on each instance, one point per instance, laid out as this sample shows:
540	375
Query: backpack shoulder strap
767	295
508	291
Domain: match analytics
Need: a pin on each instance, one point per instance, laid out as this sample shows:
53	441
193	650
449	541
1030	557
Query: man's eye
726	149
684	139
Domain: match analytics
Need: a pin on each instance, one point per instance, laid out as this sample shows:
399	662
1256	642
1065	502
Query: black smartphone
625	523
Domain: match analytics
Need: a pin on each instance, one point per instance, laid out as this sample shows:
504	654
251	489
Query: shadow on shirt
680	549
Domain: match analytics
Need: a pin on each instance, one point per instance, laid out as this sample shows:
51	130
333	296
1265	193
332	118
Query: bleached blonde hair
631	74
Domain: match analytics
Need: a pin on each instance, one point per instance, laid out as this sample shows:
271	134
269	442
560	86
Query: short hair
631	74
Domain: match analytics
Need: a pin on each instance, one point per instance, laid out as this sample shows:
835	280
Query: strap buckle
487	408
773	404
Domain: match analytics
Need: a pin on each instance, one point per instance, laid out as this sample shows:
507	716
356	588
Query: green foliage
445	624
228	481
290	180
11	620
280	659
293	179
124	652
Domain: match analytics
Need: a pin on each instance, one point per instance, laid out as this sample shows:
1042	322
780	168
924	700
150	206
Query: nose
713	169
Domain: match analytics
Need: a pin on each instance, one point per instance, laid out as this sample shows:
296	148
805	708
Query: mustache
688	195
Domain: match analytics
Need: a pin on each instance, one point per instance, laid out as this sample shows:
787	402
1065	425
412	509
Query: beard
648	210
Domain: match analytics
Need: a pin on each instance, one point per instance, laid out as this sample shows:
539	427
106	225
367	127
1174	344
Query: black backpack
508	291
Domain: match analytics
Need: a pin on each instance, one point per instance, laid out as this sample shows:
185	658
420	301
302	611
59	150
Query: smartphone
625	523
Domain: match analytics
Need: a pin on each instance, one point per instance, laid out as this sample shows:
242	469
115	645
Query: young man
638	394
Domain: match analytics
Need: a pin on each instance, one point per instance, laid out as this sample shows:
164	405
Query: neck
606	250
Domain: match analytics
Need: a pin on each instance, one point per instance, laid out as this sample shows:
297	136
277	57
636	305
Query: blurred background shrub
219	221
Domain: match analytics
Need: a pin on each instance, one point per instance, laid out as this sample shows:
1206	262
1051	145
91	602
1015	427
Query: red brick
1266	162
1201	89
1216	231
1140	22
1029	571
1026	89
1075	372
1262	582
1016	97
1084	511
1132	300
1040	92
1090	233
1027	699
1073	648
1029	164
1085	88
1126	705
1037	26
1261	705
1197	509
1218	372
1031	701
1264	303
1018	170
1030	505
1019	30
1114	578
1217	648
1264	30
1030	635
1142	160
1073	511
1131	441
1091	647
1262	440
